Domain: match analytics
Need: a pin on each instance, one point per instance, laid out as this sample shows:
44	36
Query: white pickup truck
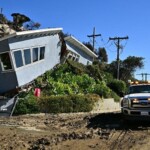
137	101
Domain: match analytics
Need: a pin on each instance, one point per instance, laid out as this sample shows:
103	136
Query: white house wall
84	57
26	74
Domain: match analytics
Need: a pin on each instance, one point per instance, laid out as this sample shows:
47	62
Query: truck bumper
143	114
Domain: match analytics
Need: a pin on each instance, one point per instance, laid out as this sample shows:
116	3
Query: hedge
55	104
68	103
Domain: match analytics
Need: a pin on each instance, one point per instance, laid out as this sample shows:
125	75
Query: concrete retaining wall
106	105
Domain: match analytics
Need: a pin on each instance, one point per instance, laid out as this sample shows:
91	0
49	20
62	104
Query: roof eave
8	36
21	33
38	31
82	46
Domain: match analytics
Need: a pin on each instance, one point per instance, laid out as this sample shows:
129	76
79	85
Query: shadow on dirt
117	122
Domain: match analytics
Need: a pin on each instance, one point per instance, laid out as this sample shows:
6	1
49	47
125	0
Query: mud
83	131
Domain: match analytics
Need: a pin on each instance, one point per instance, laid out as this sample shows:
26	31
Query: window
35	54
27	56
5	61
70	57
139	89
42	52
73	58
88	63
77	59
18	58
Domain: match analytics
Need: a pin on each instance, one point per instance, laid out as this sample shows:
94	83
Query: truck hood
138	95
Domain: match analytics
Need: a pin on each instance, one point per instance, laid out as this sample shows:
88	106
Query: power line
104	43
118	49
94	36
144	74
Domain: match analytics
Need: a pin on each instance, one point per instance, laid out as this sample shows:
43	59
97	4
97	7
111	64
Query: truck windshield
139	89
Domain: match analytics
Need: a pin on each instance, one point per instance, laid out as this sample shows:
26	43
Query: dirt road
105	131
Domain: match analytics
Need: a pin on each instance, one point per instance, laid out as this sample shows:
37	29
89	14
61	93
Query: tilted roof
80	45
49	31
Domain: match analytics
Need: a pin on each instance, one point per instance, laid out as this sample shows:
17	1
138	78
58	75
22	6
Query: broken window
35	54
18	58
42	52
27	56
5	61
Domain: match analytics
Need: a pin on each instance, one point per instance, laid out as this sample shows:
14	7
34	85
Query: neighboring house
78	51
26	55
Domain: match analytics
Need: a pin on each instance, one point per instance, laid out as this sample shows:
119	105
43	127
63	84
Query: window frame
40	53
15	59
73	56
31	56
25	57
37	57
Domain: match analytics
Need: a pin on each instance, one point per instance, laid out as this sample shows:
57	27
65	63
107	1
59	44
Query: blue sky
111	18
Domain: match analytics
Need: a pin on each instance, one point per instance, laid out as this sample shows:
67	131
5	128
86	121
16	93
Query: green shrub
27	105
76	67
118	86
108	77
115	96
102	90
64	80
68	84
67	103
95	72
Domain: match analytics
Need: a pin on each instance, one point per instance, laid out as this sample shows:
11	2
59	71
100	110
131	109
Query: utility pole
1	10
93	36
118	49
144	74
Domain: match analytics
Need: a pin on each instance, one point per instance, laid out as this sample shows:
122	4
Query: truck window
139	89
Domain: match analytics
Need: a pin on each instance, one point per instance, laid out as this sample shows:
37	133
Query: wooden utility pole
93	36
118	49
144	74
1	11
